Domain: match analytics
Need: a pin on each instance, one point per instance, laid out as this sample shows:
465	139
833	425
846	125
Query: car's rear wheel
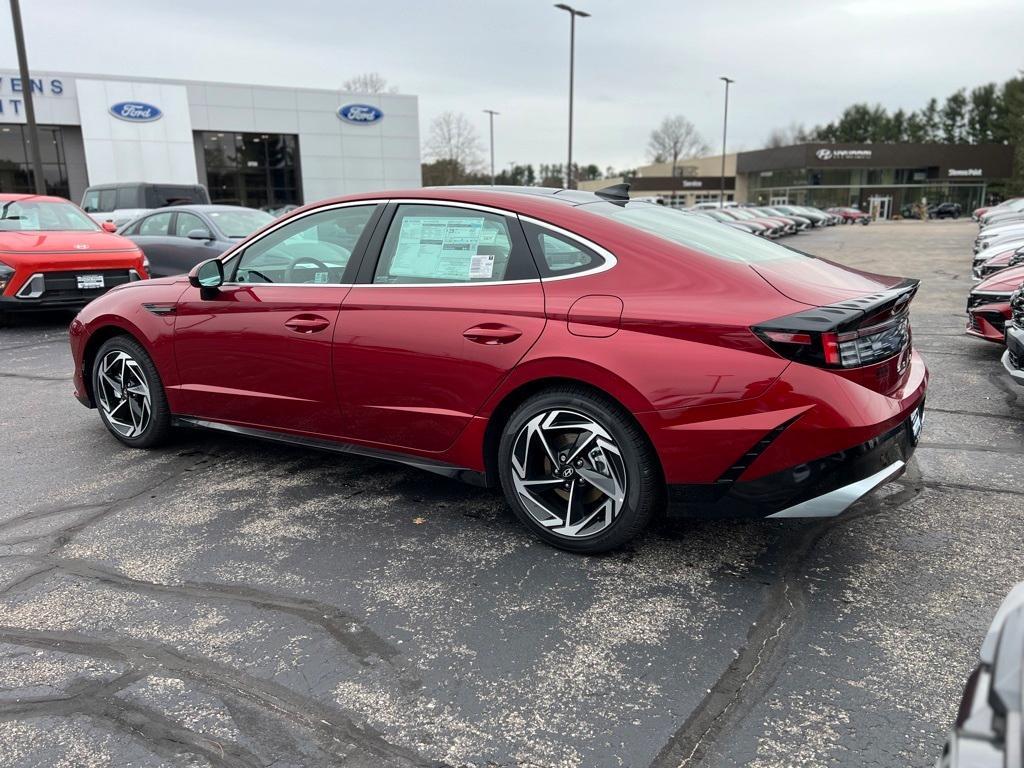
129	394
578	471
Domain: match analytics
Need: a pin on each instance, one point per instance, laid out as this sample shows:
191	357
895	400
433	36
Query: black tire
645	485
158	428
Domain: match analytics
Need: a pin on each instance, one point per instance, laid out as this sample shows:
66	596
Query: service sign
360	114
136	111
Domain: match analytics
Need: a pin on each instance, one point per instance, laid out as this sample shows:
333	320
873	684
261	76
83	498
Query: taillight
837	341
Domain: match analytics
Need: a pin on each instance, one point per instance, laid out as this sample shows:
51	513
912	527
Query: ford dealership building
252	145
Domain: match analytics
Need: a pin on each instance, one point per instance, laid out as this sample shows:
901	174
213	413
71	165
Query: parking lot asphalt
225	602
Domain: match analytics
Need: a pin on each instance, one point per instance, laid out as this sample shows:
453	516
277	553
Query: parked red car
851	215
590	355
53	256
988	305
989	262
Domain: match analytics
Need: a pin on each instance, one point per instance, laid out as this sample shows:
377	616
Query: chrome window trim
609	258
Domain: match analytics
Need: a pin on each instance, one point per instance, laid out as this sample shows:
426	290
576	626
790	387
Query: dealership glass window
259	170
440	244
311	249
15	169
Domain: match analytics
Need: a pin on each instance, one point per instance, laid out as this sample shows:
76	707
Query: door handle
492	333
307	323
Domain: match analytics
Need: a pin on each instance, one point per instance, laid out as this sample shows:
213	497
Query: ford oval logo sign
360	114
136	111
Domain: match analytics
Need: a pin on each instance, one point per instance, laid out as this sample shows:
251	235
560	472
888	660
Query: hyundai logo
824	154
360	114
136	111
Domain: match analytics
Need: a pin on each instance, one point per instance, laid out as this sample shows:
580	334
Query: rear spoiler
852	313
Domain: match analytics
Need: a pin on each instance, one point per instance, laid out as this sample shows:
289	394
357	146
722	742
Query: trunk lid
817	282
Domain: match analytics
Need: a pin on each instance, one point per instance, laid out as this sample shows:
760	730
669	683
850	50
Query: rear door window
431	244
186	223
155	225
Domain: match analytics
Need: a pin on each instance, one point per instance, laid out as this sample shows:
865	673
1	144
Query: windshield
693	231
33	216
240	223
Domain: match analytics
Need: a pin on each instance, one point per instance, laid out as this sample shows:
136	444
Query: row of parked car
995	307
57	255
778	220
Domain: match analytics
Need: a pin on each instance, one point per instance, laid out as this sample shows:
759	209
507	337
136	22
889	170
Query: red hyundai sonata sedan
53	256
593	357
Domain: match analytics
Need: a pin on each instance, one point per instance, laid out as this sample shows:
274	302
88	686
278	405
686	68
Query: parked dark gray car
176	239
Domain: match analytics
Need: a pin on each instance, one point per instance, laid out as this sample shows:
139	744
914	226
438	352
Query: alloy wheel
123	393
569	473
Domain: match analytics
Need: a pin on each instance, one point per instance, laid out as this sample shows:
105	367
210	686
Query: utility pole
30	112
573	13
491	113
725	125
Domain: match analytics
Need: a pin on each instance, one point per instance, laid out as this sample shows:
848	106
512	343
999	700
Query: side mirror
108	226
200	234
207	275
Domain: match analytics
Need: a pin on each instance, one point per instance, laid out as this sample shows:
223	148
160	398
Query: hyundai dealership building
250	145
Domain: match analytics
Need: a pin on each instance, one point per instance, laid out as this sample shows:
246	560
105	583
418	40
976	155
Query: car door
447	302
257	352
183	252
152	235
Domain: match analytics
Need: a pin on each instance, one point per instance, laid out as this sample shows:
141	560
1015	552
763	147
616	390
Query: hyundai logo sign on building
360	114
136	111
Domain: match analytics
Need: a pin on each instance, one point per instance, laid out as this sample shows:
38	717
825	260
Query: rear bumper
1013	357
824	487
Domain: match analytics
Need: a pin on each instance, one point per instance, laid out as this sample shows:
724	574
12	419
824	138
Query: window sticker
429	246
481	267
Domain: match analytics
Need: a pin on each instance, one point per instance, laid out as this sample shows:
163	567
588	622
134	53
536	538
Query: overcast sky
636	60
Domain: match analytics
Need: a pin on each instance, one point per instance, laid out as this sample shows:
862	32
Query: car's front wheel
578	471
129	394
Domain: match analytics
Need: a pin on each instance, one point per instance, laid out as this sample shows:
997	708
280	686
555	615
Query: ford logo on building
136	111
360	114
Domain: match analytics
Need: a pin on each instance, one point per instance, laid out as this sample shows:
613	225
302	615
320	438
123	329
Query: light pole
30	112
725	125
573	13
491	113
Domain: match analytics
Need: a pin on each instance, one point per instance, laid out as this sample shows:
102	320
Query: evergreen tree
953	118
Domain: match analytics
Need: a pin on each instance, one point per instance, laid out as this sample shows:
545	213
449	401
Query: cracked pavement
224	602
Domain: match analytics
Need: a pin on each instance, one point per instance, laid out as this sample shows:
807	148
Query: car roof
7	197
526	200
200	208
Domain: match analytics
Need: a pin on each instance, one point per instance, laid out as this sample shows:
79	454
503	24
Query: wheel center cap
567	472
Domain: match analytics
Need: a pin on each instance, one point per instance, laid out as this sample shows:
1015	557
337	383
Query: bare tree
454	142
368	82
676	138
794	133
